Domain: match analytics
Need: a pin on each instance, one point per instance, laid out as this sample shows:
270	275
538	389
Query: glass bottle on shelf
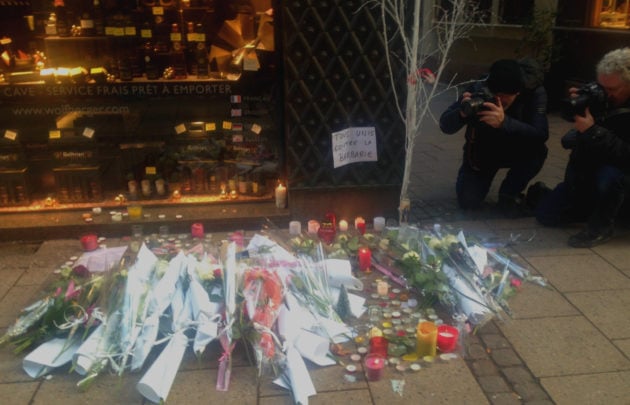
191	42
99	18
62	22
178	58
151	68
201	53
86	18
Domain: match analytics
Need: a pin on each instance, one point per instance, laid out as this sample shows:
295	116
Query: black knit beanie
505	76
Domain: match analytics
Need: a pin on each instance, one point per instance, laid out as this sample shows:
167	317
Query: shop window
612	13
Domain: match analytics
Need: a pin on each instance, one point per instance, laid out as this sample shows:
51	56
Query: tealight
351	368
415	367
355	357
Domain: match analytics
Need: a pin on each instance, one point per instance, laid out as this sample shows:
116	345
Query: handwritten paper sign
354	145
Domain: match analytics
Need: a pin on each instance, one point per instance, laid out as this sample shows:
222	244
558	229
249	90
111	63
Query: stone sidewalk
565	344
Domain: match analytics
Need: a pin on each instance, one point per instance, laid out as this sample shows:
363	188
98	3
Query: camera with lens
591	95
474	104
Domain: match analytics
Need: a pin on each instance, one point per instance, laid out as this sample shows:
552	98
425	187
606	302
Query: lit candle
365	259
382	288
313	227
359	224
160	186
426	333
196	230
447	338
379	224
374	366
281	196
295	228
343	225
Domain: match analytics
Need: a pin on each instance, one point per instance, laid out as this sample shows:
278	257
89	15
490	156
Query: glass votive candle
89	242
374	366
196	230
312	227
379	224
426	345
378	345
382	287
343	225
295	228
365	259
359	224
447	338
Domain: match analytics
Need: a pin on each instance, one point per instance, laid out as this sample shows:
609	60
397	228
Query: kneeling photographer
597	176
506	127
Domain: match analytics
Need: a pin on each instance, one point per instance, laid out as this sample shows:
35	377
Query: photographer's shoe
513	207
588	238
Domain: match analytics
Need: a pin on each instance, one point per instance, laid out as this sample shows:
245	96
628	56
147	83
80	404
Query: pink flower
516	283
71	292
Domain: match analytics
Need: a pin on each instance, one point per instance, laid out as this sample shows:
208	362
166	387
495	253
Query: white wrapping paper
48	356
85	356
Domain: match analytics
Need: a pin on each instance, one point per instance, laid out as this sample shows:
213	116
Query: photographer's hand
493	115
465	98
584	122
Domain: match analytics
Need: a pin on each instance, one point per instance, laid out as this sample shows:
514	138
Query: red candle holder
447	337
365	259
378	345
89	242
374	366
196	230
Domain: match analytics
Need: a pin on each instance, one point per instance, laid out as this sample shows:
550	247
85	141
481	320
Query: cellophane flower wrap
262	292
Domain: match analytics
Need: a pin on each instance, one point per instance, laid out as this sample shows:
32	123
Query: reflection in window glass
614	13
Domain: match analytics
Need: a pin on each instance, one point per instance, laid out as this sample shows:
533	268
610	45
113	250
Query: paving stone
493	383
505	398
61	389
517	375
18	393
530	391
484	367
534	301
623	345
608	310
574	344
488	328
598	388
494	341
580	272
505	357
476	352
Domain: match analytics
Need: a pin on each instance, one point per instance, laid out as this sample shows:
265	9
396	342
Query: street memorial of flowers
405	293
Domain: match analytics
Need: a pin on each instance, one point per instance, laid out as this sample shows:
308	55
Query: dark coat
523	133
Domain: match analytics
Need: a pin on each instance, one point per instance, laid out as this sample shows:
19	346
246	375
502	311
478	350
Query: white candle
295	228
343	225
281	196
379	224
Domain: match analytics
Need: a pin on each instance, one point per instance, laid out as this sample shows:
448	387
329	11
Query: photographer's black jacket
523	133
607	142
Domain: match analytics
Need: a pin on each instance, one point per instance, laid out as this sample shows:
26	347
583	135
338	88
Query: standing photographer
506	127
597	177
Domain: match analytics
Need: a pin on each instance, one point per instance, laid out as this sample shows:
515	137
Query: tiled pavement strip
566	344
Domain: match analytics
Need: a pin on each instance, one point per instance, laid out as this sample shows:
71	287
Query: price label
157	10
54	134
118	31
88	132
176	36
130	31
226	125
180	129
211	126
150	170
146	33
256	129
10	135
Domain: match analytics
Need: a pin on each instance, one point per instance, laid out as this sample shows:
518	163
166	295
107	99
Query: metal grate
336	77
